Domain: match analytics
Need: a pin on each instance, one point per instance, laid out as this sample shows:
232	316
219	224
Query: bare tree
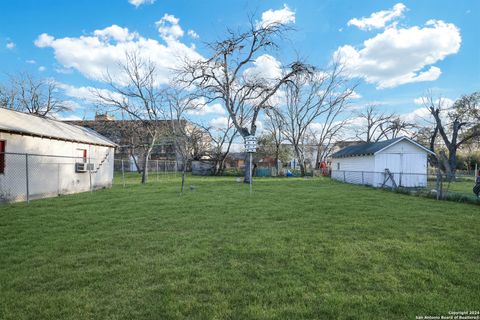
139	97
308	97
274	126
395	127
455	125
189	139
224	75
26	94
375	124
330	130
8	95
222	139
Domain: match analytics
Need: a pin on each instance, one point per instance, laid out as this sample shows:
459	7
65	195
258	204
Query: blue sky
397	54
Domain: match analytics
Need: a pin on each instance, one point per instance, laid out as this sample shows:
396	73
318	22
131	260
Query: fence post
165	168
363	182
344	179
26	177
123	174
157	169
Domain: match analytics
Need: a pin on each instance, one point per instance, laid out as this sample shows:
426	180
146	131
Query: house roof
237	155
26	124
372	148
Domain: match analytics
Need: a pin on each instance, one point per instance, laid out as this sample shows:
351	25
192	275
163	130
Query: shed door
414	169
390	161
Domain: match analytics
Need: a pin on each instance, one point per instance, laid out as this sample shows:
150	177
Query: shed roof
26	124
372	148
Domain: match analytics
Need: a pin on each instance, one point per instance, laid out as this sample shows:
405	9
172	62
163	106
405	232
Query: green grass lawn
295	249
463	186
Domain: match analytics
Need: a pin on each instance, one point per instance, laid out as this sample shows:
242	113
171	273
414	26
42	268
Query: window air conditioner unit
80	167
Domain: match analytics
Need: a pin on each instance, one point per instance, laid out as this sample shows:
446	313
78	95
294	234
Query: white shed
42	157
396	162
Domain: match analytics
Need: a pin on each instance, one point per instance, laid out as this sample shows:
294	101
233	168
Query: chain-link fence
434	184
24	177
129	171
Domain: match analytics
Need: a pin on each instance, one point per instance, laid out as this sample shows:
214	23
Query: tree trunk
183	179
145	168
317	160
145	163
452	163
445	161
277	152
301	161
139	170
221	166
302	168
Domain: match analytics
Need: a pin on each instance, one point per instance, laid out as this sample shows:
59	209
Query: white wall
358	170
51	176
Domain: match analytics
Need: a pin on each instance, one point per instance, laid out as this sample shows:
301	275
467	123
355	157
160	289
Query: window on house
338	165
2	156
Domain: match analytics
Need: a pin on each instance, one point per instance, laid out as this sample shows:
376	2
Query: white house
43	157
396	162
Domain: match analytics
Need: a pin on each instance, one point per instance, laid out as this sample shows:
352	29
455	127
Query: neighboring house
235	160
131	137
62	158
395	162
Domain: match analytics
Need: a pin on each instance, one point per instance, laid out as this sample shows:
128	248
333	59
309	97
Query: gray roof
371	148
26	124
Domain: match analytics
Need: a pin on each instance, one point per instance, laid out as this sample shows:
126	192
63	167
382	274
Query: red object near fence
324	168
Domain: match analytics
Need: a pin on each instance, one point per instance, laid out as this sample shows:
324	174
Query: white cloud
42	68
281	16
138	3
93	55
86	94
355	95
31	61
72	105
417	116
445	102
219	122
115	32
10	45
205	109
378	19
71	117
265	67
402	55
169	28
44	40
64	70
193	34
